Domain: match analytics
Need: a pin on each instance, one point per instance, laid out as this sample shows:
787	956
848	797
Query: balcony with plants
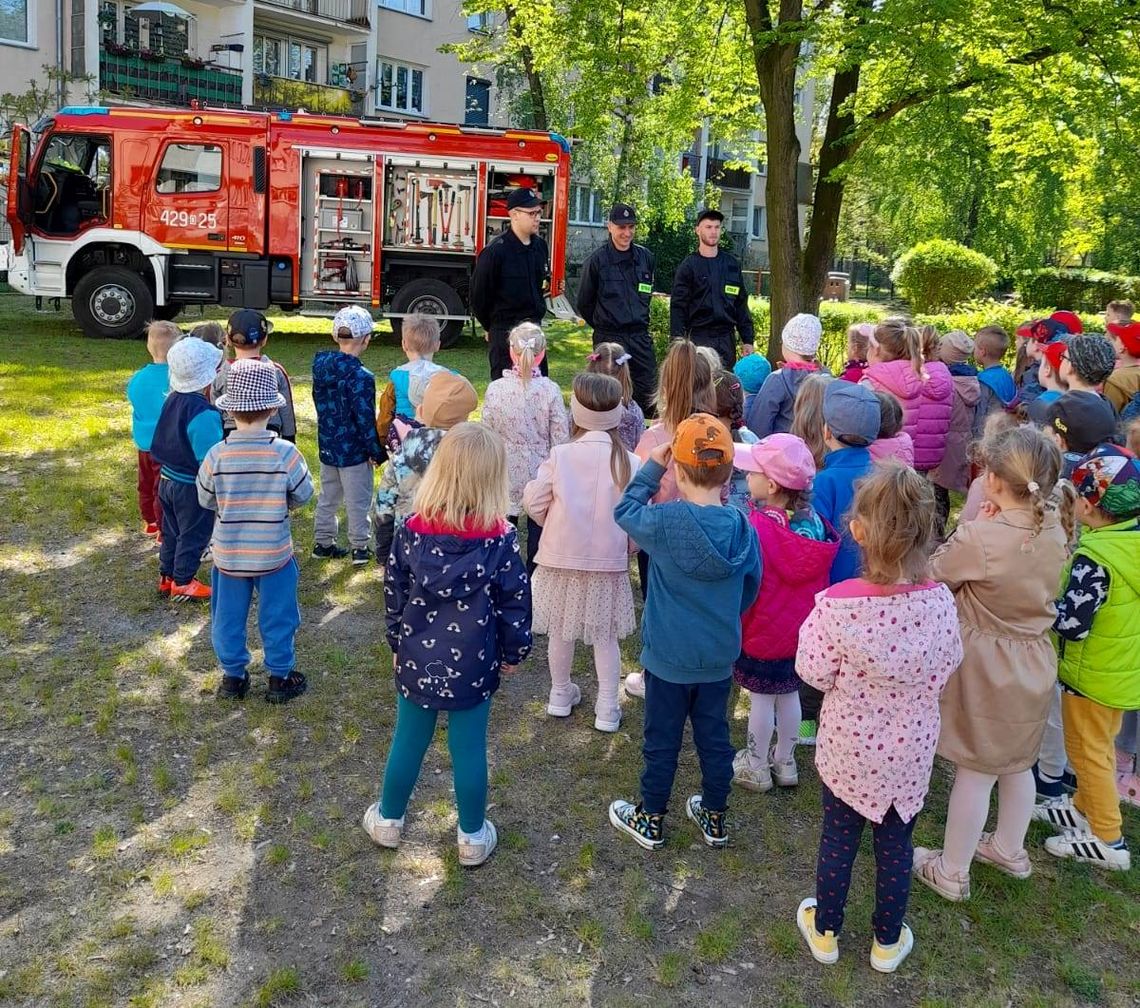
343	94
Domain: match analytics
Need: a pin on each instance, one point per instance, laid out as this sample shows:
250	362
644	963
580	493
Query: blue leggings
467	743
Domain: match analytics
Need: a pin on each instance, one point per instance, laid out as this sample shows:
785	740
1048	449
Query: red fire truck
134	213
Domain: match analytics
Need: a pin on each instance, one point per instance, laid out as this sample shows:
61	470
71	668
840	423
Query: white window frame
411	68
480	24
595	205
284	45
759	217
402	7
30	18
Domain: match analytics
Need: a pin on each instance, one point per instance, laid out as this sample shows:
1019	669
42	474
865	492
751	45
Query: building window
758	223
401	88
190	168
587	205
15	25
417	7
479	22
478	109
267	55
294	59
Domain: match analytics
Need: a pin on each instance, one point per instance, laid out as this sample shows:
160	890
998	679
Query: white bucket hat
251	386
193	364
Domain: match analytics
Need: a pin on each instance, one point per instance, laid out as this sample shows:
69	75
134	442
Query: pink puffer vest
794	570
927	403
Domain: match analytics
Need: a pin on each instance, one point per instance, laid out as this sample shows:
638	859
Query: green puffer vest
1105	666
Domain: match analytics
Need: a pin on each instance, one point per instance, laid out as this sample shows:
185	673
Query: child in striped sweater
253	479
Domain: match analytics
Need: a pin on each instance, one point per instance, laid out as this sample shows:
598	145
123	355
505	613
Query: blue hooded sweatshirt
344	392
704	572
831	495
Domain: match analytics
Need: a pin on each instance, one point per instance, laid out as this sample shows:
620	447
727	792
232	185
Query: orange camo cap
703	441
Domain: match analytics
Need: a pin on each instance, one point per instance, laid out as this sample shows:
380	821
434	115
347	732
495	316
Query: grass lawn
160	848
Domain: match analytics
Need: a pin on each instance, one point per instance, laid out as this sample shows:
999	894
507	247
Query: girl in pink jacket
880	647
581	589
924	389
796	551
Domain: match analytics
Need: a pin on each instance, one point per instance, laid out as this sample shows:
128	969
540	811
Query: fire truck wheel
430	297
111	302
169	311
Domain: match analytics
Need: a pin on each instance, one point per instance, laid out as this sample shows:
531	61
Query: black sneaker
644	827
282	689
711	823
330	552
233	688
360	557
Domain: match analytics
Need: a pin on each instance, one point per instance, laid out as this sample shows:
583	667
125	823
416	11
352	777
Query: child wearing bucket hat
247	332
1098	636
188	427
704	571
796	551
252	480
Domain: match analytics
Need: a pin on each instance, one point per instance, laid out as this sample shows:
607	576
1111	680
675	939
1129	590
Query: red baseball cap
1053	352
1070	320
1129	334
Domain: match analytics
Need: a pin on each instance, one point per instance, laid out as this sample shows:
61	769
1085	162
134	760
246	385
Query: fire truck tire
169	311
112	302
430	297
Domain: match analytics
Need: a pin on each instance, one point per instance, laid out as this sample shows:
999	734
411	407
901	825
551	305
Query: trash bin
838	286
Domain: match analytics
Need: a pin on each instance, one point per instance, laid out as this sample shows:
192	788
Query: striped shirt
253	480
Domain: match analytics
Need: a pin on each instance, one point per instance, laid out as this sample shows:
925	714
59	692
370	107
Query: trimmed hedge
1076	289
939	274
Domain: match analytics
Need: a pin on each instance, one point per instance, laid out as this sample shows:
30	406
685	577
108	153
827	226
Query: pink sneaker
1017	866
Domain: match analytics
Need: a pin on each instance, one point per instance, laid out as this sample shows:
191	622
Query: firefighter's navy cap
623	213
523	199
248	327
708	213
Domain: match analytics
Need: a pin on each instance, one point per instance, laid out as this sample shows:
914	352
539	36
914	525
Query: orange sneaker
165	584
192	591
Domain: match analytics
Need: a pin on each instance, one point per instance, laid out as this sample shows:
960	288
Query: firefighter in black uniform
709	303
617	283
511	278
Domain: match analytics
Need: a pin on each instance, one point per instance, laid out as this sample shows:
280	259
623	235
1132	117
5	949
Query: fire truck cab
134	213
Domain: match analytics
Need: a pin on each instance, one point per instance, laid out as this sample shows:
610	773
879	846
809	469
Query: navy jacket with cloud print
458	606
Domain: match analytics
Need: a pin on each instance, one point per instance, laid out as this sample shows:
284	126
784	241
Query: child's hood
333	366
419	447
800	559
455	567
707	543
1124	540
898	377
967	388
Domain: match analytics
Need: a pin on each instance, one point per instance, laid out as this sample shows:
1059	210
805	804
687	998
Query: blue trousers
838	845
186	530
667	706
278	617
467	743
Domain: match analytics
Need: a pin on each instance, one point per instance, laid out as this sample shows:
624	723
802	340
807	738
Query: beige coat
1004	585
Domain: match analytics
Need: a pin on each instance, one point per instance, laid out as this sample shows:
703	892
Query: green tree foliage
941	274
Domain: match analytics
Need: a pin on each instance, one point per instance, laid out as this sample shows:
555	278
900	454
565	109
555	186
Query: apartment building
31	36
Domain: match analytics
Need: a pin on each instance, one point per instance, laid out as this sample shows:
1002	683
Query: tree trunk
776	76
828	198
533	77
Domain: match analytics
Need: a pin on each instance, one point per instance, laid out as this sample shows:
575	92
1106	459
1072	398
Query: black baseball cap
708	213
248	327
523	199
1083	419
623	213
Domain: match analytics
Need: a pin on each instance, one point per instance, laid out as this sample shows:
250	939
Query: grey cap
852	413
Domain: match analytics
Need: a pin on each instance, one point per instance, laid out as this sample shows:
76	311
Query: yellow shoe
823	947
888	958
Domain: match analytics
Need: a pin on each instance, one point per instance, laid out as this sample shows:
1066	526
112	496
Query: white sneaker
749	777
385	832
609	721
1084	845
634	685
1061	813
562	703
786	774
475	848
888	958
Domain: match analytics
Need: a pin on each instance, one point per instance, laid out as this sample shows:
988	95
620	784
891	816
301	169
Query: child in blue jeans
458	613
704	572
